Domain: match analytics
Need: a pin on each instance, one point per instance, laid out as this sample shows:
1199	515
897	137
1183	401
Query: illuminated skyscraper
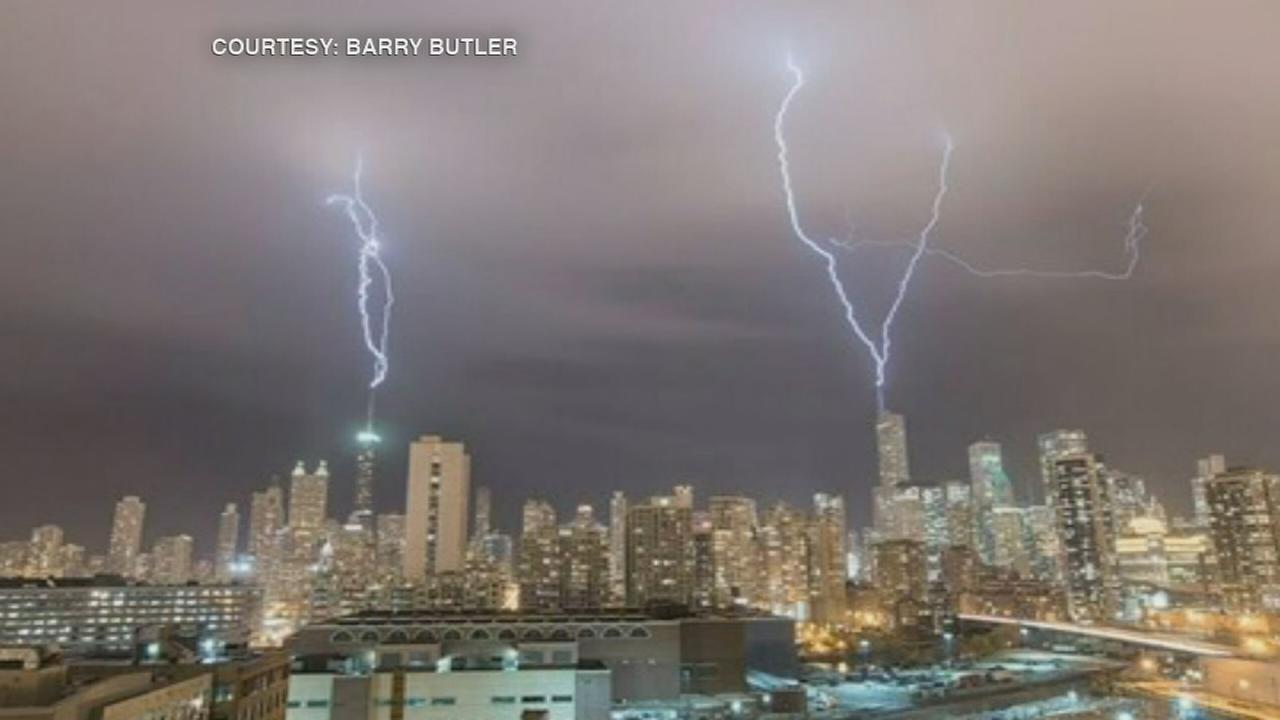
734	550
126	535
827	565
308	497
366	467
171	559
539	557
991	485
1085	531
1206	468
266	517
1056	444
389	548
618	547
228	542
1244	521
891	446
891	450
660	553
45	558
438	492
584	562
484	511
784	534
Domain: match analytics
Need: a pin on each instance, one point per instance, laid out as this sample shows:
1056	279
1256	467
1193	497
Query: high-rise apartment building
1085	531
734	550
618	547
785	542
1244	524
171	560
126	536
389	548
266	518
45	558
539	557
584	562
439	488
228	542
1053	445
827	558
660	553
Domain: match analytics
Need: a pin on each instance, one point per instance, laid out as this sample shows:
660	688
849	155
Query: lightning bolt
371	269
879	349
1136	232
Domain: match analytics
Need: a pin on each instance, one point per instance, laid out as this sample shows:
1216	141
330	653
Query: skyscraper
618	547
660	551
126	535
266	517
991	485
1244	521
991	490
891	447
1053	445
539	557
228	542
1085	530
826	558
308	497
1206	468
584	562
891	450
171	560
439	487
46	554
484	502
389	548
734	550
366	466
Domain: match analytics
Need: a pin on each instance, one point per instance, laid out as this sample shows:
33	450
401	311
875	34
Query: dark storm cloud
597	287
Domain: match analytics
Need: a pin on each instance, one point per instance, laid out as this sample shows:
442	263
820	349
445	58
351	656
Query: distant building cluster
1085	541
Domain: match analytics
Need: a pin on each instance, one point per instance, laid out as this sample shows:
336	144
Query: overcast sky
597	285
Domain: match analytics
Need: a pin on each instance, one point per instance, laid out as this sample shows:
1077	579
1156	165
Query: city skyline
648	322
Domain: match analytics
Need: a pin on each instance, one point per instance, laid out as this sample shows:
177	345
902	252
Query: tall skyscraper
891	447
618	547
266	517
308	497
1085	531
891	450
389	548
1206	468
539	557
785	540
584	562
366	467
1053	445
991	485
228	542
171	560
734	550
991	490
1244	523
439	488
826	558
484	502
660	551
126	535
